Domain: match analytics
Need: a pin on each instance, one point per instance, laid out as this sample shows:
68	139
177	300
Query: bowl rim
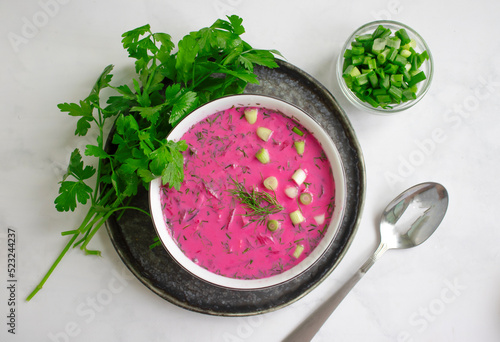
262	101
399	107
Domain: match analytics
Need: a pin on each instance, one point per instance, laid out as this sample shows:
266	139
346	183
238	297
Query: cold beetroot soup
258	194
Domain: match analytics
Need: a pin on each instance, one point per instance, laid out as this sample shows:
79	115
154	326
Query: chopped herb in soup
258	194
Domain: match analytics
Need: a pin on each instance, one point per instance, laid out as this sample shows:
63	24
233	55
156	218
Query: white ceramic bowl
340	192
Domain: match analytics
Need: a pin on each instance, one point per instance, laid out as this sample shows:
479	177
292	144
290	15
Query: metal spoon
406	222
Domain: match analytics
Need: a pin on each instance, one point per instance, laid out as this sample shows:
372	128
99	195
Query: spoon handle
311	325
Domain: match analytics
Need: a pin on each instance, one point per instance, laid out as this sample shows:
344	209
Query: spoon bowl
413	216
407	221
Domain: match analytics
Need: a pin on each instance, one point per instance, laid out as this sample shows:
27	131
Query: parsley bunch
208	64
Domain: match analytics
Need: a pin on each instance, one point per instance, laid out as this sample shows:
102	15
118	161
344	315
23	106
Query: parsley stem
95	216
87	218
52	268
132	208
194	84
103	218
153	66
87	228
104	199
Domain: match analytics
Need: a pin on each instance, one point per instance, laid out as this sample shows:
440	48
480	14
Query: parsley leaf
102	82
95	151
75	109
77	169
71	192
84	109
152	114
186	103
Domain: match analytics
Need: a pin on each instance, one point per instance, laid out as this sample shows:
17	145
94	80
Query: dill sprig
257	203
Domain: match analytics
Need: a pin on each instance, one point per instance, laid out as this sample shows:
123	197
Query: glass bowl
427	67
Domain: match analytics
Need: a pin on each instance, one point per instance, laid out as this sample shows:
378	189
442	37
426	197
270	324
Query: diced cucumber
300	146
251	115
264	133
299	176
263	156
297	217
298	251
271	183
291	191
320	219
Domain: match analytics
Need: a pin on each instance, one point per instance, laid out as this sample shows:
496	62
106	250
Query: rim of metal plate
132	235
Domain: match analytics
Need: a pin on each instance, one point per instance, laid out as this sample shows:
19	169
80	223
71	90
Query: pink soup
220	233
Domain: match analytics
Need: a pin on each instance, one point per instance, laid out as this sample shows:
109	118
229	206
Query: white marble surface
445	290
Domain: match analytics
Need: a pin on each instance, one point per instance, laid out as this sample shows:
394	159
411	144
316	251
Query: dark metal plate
132	235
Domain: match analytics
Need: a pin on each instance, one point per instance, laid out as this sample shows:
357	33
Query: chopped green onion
366	92
383	68
370	100
273	225
378	45
348	80
423	56
396	93
372	77
406	74
390	68
358	50
385	83
364	38
351	70
394	42
397	80
400	60
361	79
372	63
357	60
384	99
382	57
306	198
297	131
409	95
392	54
379	91
419	77
405	53
381	32
403	35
